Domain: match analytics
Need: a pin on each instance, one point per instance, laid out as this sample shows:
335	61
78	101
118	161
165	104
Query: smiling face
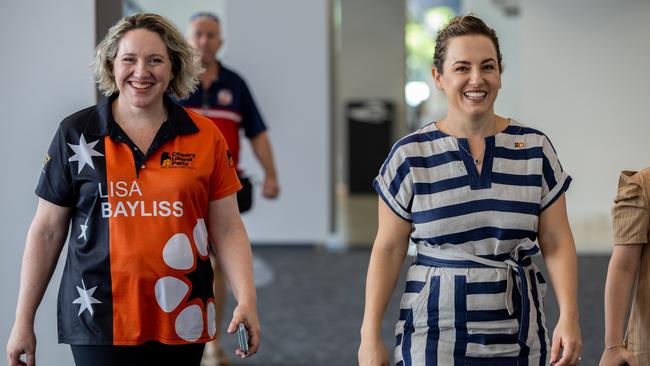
470	76
142	68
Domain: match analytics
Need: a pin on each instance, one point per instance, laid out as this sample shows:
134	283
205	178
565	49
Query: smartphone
242	334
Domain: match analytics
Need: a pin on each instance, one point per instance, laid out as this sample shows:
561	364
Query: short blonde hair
186	66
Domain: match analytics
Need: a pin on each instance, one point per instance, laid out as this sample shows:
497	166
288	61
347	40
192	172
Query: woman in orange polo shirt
145	187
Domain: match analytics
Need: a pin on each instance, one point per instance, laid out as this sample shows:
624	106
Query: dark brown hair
466	25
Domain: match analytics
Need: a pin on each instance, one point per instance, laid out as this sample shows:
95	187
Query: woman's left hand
246	314
566	337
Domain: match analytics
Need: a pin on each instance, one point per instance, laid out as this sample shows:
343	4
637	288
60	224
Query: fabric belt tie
438	258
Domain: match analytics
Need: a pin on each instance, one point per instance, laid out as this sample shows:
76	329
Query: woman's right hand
21	341
372	352
246	314
617	357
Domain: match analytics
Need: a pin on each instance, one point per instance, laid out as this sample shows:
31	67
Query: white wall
47	47
585	83
281	48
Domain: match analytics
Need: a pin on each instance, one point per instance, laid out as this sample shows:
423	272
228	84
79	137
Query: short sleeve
55	182
223	180
631	211
394	184
252	119
555	180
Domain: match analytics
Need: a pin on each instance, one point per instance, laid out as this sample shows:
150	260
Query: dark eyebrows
463	62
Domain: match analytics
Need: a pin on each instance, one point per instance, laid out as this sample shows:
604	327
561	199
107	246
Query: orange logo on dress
519	145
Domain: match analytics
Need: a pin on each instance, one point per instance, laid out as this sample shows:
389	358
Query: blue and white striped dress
472	296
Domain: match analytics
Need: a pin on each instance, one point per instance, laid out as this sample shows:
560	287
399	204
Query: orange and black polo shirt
137	266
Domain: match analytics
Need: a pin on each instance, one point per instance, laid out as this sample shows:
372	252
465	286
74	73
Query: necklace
477	160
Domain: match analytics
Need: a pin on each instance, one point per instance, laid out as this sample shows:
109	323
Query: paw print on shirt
170	291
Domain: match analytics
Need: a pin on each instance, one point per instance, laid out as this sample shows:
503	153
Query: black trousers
149	353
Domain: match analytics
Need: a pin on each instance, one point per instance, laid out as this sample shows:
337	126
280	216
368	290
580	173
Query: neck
211	68
485	125
151	116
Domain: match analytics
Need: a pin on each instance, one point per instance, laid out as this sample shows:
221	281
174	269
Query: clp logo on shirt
165	159
176	159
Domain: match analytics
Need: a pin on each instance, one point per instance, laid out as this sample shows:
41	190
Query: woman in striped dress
473	191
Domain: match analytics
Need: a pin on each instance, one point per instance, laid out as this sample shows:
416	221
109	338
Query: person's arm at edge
621	276
45	239
558	249
261	145
230	241
388	252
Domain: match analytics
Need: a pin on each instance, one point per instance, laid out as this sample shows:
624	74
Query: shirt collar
179	121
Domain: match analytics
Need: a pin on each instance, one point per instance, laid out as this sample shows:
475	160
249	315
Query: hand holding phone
242	335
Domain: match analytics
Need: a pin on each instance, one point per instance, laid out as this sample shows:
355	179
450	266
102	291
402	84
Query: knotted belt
433	257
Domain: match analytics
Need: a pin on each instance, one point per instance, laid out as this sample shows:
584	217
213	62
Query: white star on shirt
84	153
83	228
86	299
